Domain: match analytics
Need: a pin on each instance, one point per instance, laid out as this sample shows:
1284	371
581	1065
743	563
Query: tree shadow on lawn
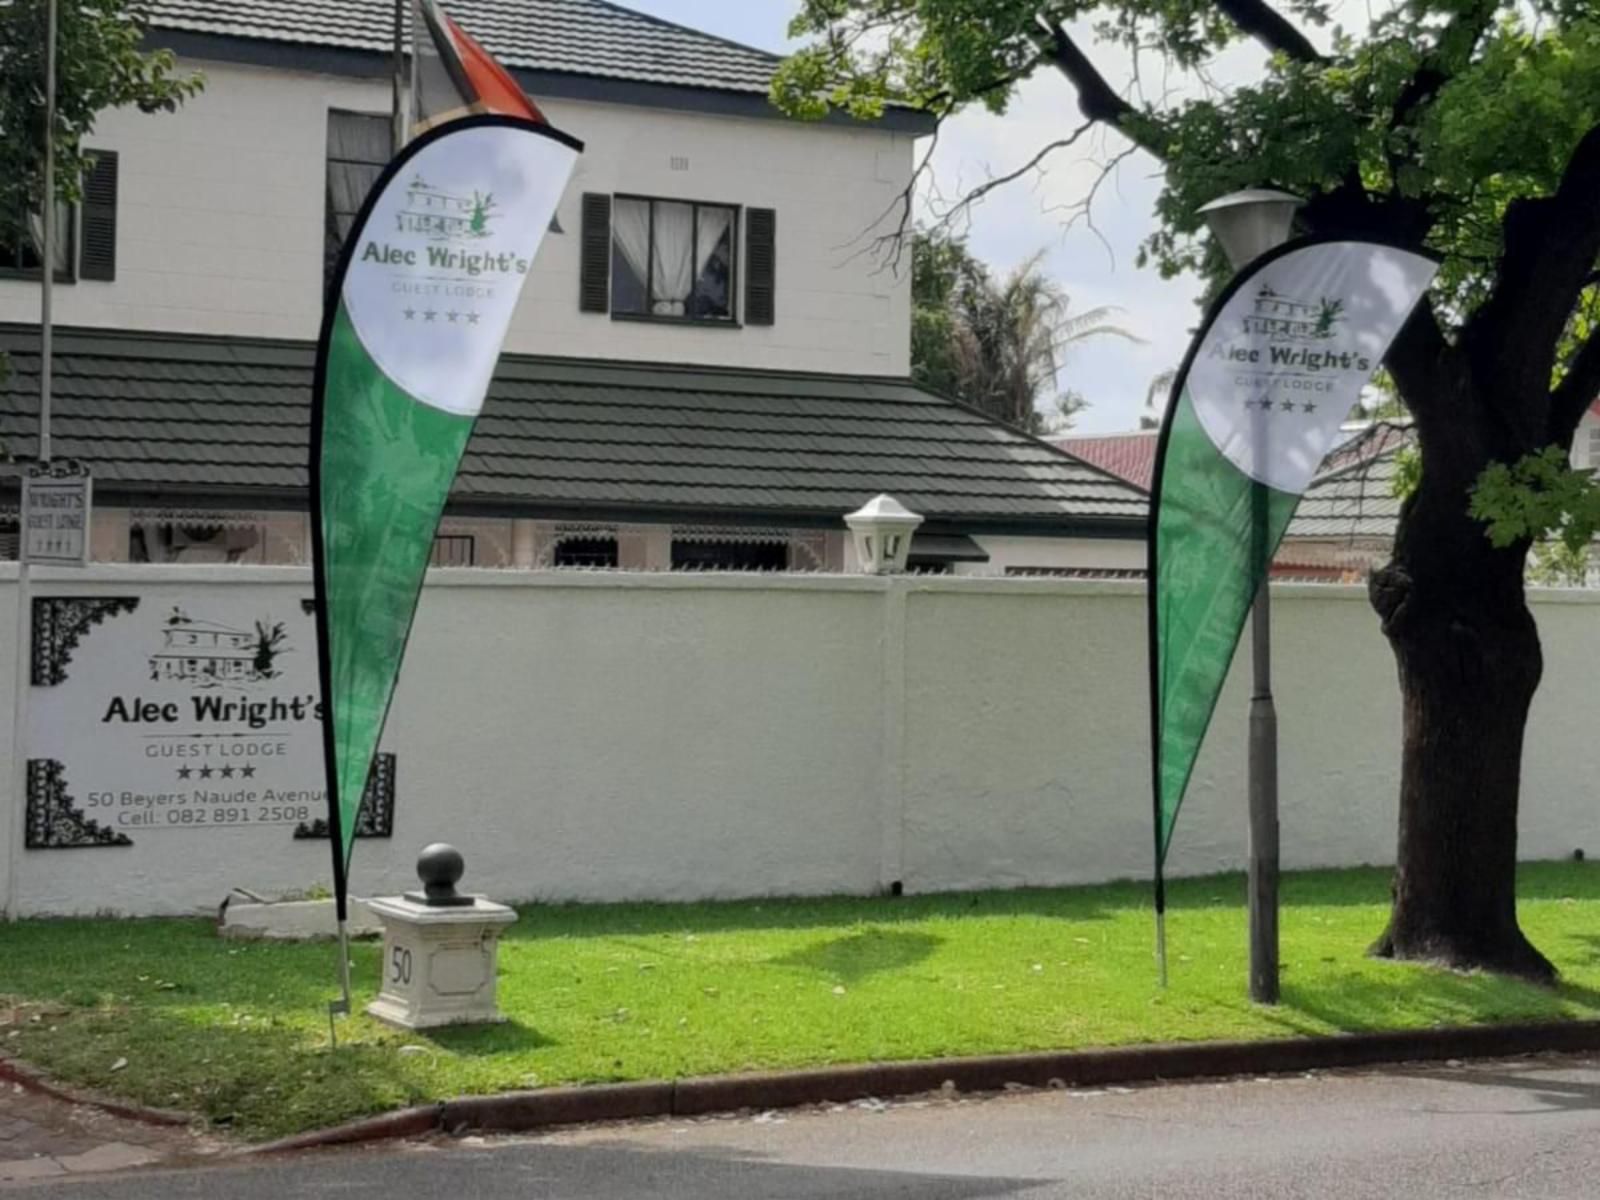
1419	996
539	921
1351	887
1097	902
1587	942
856	956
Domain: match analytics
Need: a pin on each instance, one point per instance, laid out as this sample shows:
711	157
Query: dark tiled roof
224	416
581	37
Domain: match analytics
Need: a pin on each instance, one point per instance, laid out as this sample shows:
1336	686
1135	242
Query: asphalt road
1523	1129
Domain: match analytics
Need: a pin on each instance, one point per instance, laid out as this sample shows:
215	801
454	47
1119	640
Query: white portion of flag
442	260
1287	357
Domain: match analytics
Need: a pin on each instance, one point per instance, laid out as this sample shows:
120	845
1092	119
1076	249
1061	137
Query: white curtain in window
675	269
714	225
60	236
630	232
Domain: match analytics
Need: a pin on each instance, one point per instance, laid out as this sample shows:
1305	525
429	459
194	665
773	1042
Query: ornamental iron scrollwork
54	822
375	818
60	623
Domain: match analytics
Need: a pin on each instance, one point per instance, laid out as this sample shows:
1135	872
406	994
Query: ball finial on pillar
440	867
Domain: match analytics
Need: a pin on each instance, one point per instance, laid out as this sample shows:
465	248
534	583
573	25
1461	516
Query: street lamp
1248	224
1251	222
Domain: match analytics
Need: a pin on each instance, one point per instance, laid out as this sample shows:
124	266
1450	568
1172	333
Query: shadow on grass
1353	887
1414	994
856	956
509	1036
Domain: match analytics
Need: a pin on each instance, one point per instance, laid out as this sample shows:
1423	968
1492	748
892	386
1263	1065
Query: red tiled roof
1131	457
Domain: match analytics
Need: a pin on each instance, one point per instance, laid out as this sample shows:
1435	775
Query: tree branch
1418	358
1551	244
1269	27
976	195
1456	41
1577	391
1097	99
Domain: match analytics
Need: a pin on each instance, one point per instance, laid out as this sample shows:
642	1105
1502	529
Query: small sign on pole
57	500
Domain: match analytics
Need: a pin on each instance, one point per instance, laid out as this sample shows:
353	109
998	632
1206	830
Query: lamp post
1248	224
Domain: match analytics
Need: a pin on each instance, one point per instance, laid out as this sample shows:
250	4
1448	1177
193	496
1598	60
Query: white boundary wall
609	737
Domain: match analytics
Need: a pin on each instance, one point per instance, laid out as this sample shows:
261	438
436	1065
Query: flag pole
397	81
47	230
1161	932
1153	656
1247	225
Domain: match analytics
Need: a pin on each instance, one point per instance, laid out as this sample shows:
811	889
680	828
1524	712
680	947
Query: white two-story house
706	370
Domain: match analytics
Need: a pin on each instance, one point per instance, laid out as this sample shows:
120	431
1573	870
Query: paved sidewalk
43	1138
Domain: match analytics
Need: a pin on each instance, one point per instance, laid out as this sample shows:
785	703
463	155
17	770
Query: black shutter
99	257
761	266
594	273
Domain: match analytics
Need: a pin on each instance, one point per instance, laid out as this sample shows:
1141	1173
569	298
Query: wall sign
57	499
152	718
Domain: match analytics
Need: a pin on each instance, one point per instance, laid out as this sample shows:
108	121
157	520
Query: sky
1094	266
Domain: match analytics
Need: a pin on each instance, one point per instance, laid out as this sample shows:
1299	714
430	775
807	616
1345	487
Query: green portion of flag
1210	560
387	464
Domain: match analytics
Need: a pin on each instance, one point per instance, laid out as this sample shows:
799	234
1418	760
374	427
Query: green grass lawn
238	1031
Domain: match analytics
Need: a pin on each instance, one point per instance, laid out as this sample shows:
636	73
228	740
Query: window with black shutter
22	240
594	276
761	267
653	259
99	219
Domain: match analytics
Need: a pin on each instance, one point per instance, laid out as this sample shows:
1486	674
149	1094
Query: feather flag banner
1276	369
419	306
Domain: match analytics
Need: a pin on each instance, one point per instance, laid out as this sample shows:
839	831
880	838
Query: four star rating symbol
455	316
1265	404
245	771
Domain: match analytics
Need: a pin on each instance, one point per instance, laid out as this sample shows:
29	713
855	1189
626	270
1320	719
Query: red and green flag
414	320
1276	369
456	77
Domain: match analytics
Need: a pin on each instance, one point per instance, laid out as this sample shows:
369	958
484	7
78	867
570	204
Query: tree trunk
1454	611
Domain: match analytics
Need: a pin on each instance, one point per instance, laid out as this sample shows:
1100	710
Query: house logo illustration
443	216
210	654
1280	319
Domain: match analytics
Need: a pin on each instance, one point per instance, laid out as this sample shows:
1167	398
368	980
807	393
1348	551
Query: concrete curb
13	1071
520	1112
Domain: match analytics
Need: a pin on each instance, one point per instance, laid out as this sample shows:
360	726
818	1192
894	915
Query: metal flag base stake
1161	947
340	1007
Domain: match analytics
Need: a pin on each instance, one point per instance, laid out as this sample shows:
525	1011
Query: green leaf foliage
995	343
99	66
1541	496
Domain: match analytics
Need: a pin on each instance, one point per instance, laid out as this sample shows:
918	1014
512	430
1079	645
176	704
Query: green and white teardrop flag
1277	367
416	315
